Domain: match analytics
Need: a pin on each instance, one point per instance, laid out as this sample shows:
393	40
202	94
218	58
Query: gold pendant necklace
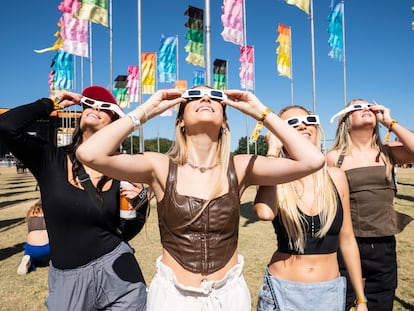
202	169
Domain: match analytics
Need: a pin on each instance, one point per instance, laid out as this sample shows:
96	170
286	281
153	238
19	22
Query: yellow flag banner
301	4
284	51
148	72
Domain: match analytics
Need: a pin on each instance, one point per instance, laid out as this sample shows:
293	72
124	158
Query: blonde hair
179	154
326	200
343	141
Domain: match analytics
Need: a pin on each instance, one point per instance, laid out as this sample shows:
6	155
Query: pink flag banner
247	67
232	20
74	32
69	6
133	84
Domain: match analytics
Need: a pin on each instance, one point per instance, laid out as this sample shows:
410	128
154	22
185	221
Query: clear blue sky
379	54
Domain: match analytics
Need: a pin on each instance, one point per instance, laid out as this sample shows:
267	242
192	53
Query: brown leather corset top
372	203
206	243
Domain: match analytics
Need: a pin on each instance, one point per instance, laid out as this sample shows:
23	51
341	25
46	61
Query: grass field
256	244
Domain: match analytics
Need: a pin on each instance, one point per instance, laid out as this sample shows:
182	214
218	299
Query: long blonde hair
179	153
343	141
326	200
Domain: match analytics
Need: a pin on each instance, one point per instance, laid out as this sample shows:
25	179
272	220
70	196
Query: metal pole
141	128
292	102
343	50
313	56
207	46
110	46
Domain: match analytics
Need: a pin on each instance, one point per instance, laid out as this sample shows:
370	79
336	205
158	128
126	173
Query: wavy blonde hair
179	152
326	199
343	141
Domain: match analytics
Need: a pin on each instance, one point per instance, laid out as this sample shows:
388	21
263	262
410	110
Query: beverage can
125	211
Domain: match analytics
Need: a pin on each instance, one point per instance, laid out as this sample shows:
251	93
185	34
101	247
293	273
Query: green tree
149	144
260	148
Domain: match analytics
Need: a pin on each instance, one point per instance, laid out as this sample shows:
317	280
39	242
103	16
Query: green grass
257	243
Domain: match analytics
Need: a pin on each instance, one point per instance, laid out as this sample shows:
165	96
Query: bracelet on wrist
145	116
259	125
362	299
387	135
57	104
271	155
135	120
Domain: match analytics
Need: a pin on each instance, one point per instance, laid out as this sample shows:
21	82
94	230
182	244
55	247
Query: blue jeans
283	295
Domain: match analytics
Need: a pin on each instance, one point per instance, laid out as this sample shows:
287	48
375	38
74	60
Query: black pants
379	271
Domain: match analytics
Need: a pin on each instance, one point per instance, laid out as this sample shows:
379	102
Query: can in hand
125	210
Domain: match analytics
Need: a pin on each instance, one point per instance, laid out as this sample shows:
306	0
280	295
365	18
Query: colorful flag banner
195	36
198	77
232	20
133	84
284	51
56	46
95	11
301	4
148	72
69	6
335	31
120	91
74	32
180	84
61	77
220	74
247	65
167	60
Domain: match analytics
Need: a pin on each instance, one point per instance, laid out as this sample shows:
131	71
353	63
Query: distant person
198	186
369	167
36	249
312	221
91	267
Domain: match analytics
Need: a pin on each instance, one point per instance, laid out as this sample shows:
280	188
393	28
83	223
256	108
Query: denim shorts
283	295
228	294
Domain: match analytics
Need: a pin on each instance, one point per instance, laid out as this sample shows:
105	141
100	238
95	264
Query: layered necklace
202	169
299	197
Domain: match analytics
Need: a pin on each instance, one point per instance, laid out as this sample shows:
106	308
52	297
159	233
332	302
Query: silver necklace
202	169
312	217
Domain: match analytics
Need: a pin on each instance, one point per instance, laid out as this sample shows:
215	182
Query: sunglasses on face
196	94
350	109
93	103
311	119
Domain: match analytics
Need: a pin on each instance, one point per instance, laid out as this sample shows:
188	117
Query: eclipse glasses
93	103
311	119
198	93
350	109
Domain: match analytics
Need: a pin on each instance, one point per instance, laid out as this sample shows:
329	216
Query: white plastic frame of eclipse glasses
101	105
351	108
198	93
311	119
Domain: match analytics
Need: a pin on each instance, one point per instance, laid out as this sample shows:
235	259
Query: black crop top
78	232
313	245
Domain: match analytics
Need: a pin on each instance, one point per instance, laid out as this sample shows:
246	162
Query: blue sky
379	54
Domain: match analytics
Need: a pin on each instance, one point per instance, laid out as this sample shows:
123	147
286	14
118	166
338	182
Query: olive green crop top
206	244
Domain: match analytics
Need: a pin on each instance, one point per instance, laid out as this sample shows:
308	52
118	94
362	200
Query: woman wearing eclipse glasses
369	168
91	267
312	221
198	186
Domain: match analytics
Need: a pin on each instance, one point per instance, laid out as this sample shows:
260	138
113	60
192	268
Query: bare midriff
304	268
38	237
188	278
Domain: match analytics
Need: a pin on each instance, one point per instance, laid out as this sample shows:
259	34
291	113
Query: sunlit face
307	130
200	110
362	116
94	119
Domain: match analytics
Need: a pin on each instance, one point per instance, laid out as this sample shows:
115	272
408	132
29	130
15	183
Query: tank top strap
172	177
231	175
340	160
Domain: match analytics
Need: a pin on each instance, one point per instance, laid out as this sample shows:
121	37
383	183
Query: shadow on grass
246	211
10	222
405	184
405	197
406	305
12	202
10	251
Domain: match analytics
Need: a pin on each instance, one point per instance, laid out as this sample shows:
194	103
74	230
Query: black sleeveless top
313	245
